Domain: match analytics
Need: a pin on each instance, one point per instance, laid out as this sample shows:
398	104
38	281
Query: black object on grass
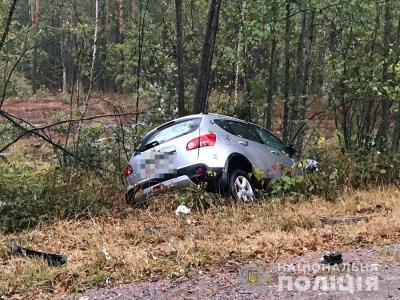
53	260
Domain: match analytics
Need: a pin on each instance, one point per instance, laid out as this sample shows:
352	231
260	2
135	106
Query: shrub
338	172
18	86
29	196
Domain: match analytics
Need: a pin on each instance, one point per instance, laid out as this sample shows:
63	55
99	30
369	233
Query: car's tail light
158	187
202	141
128	170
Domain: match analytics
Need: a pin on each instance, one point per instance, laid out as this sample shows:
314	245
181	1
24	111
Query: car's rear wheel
240	186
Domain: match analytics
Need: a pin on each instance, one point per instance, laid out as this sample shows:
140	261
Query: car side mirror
291	150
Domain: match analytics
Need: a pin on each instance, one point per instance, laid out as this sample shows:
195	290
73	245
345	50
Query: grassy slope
220	238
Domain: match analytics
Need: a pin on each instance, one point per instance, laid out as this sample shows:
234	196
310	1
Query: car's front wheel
240	186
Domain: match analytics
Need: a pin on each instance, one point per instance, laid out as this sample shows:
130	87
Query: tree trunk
134	11
64	64
237	69
269	106
396	131
304	82
382	136
142	20
120	40
73	65
238	59
179	38
203	79
345	108
285	121
396	135
35	11
103	78
294	120
92	70
366	123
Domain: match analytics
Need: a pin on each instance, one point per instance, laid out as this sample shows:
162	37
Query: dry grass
219	238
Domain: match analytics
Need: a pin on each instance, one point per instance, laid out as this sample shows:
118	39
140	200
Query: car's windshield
168	132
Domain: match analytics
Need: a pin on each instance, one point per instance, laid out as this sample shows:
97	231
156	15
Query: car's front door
250	146
277	148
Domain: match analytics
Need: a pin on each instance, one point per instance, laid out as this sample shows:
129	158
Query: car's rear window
171	131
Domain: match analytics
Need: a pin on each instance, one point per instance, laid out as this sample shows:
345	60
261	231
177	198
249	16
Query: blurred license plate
156	164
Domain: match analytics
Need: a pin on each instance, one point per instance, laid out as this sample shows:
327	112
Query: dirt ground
49	109
380	265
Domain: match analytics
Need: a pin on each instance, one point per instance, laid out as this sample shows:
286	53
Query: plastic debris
53	260
182	209
311	164
106	254
332	258
108	280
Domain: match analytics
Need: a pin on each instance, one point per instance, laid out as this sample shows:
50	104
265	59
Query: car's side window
239	129
269	139
223	124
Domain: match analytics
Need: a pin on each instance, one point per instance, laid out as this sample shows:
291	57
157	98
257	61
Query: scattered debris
152	279
349	220
332	258
311	165
154	227
106	254
182	209
53	260
108	280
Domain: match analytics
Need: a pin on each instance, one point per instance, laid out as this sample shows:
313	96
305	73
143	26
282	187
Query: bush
29	196
338	172
18	86
8	132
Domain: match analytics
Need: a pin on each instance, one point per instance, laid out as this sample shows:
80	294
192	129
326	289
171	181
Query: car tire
240	186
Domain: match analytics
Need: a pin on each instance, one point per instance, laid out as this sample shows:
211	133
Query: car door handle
246	143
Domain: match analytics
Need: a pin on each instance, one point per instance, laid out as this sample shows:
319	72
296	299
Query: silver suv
221	152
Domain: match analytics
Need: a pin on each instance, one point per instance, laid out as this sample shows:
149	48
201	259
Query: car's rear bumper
212	176
138	194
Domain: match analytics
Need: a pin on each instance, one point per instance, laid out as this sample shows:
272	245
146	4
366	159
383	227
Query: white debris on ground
182	209
106	254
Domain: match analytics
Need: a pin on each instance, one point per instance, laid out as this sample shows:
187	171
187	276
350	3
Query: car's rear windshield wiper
149	146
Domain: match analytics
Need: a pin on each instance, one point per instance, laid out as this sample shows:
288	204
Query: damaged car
222	153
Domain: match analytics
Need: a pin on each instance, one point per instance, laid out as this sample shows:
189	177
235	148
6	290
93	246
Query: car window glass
223	124
173	131
269	139
239	129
